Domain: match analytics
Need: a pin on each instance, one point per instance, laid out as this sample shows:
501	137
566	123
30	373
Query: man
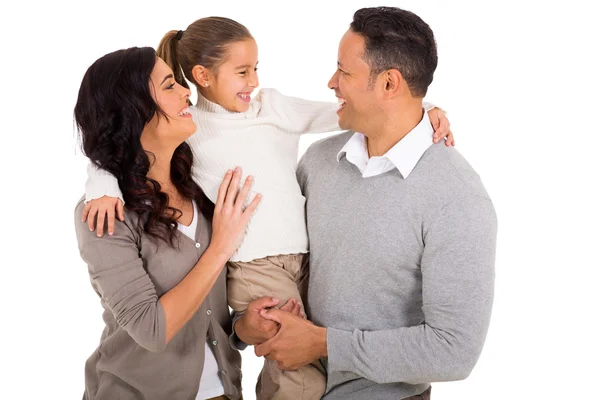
402	233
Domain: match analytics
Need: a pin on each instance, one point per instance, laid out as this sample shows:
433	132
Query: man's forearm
252	328
245	333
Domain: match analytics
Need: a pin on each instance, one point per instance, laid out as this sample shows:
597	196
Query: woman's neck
160	163
160	171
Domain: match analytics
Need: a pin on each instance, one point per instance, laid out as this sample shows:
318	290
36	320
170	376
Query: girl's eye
171	86
243	73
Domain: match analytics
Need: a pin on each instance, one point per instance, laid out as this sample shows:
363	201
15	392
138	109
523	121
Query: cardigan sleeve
117	274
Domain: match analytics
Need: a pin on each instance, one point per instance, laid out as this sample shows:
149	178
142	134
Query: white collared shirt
404	155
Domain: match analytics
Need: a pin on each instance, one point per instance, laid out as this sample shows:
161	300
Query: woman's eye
171	86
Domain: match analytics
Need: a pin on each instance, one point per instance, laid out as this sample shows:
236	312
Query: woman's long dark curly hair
113	106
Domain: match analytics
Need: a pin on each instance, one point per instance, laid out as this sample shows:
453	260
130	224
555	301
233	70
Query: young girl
219	56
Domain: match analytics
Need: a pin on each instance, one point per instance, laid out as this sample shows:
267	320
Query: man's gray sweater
401	270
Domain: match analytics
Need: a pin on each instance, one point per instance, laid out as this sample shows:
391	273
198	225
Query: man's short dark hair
397	39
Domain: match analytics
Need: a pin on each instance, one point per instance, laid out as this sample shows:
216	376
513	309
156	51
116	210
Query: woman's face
171	97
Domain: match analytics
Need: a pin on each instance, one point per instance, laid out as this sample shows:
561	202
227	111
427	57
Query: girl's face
233	82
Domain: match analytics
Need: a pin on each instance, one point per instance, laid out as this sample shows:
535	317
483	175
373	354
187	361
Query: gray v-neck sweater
402	270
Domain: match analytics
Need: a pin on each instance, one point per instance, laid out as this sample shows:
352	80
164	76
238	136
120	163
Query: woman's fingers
233	188
223	190
249	211
243	195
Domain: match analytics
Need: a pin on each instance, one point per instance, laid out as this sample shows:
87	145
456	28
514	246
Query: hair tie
179	35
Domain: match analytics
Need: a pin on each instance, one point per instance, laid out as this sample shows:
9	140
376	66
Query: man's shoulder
450	172
329	145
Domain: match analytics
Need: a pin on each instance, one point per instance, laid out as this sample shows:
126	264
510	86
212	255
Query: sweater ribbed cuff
234	341
339	350
430	106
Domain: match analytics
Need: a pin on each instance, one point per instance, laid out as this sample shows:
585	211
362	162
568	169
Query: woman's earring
206	84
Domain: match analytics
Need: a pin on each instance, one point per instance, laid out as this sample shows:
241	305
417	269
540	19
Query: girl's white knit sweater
263	141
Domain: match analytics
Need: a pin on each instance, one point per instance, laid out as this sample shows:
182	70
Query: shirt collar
404	155
356	151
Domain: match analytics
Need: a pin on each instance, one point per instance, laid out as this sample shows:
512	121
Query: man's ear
394	83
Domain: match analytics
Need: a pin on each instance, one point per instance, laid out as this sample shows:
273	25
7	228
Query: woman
160	275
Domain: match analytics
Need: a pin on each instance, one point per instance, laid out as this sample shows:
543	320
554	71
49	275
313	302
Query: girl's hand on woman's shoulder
97	212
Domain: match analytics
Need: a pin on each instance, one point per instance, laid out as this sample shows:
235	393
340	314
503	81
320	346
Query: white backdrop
518	78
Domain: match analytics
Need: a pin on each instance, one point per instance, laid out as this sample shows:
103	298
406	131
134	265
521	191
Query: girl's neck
205	104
